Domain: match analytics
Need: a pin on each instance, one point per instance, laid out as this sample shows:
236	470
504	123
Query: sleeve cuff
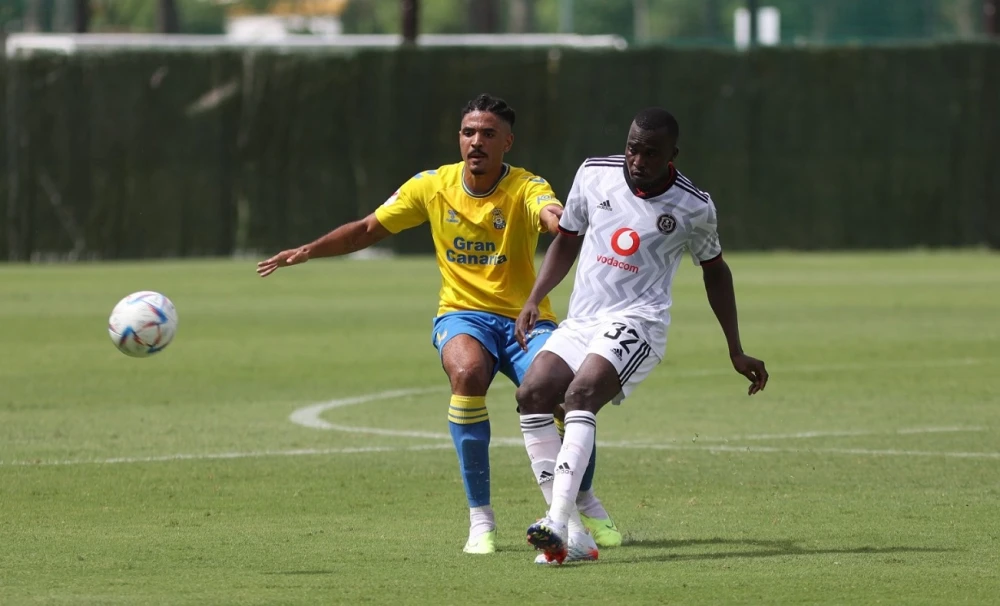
714	259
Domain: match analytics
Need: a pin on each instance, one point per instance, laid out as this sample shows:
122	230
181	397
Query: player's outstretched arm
347	238
722	297
558	261
550	218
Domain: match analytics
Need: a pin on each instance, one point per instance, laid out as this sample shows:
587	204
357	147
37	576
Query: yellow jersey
485	243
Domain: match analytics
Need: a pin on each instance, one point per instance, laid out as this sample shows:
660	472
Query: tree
167	20
81	16
484	16
521	17
382	17
410	10
193	16
38	16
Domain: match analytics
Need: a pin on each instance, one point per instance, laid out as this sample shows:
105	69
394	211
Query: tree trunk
81	16
167	19
38	17
410	14
522	16
484	18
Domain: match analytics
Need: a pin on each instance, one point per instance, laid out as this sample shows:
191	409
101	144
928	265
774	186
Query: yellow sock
466	410
560	427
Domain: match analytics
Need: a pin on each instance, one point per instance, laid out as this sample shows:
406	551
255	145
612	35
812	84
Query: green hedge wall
162	154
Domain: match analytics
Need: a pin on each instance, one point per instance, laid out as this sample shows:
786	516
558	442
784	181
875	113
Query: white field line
309	416
840	434
298	452
719	448
722	370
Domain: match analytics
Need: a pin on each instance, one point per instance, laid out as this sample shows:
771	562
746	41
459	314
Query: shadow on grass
627	554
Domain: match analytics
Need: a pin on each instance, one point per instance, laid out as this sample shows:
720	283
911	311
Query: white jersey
633	246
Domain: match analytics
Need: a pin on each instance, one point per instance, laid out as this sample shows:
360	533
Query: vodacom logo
625	241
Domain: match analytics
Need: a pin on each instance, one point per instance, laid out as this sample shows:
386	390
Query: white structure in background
21	44
249	28
768	27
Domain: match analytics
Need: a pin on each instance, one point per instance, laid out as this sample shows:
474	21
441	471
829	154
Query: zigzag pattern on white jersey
633	246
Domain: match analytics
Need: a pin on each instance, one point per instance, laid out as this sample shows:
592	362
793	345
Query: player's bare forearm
722	298
349	238
558	261
550	218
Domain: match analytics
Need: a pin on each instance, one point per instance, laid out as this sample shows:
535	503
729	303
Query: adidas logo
545	477
618	353
564	468
606	205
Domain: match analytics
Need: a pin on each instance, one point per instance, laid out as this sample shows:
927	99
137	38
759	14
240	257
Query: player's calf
469	368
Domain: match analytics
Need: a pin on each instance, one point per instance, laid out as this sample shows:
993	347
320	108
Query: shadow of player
760	549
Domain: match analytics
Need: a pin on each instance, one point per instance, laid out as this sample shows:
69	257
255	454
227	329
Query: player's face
484	138
648	154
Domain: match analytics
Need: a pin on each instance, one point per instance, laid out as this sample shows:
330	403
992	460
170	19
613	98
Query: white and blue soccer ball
143	324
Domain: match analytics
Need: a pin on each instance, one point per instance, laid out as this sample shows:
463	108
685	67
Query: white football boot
581	548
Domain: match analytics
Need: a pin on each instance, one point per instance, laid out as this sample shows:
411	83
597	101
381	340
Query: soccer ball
142	324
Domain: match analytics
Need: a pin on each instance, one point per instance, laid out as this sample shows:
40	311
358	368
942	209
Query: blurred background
174	128
640	22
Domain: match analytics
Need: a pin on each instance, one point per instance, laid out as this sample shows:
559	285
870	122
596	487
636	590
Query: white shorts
619	342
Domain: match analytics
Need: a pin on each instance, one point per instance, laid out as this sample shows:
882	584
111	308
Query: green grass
859	347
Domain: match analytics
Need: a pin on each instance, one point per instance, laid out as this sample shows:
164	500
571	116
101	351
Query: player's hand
525	324
293	256
550	218
753	369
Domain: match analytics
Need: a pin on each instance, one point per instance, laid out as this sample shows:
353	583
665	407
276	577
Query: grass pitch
867	472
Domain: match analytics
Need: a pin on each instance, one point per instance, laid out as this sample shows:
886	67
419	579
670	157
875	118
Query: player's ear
509	143
677	152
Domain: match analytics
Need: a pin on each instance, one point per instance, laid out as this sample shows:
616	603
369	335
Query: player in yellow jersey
485	217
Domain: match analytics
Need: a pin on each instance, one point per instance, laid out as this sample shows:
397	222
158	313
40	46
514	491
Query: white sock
481	520
590	506
541	440
574	523
571	463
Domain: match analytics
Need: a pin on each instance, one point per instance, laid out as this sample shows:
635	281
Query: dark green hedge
153	154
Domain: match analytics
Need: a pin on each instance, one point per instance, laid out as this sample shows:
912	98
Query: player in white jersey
630	219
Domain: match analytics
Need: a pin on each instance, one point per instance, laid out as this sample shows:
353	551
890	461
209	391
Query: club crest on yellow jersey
498	220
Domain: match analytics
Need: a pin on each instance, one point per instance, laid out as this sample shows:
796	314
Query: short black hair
656	118
495	105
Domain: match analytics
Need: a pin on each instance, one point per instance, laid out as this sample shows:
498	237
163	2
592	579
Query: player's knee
469	378
582	395
532	399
